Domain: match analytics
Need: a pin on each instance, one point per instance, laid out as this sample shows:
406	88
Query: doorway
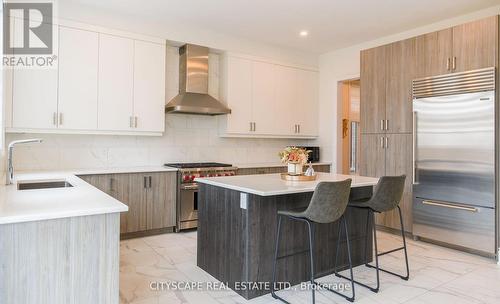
349	137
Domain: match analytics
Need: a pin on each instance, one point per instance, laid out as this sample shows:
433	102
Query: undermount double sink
43	184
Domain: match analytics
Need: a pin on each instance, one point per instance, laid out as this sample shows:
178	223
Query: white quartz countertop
43	204
273	164
272	184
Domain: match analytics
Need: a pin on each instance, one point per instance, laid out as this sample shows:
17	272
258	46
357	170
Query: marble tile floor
437	275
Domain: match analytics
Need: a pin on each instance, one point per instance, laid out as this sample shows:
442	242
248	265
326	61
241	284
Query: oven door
188	206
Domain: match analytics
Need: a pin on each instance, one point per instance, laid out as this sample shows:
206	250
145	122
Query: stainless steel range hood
193	95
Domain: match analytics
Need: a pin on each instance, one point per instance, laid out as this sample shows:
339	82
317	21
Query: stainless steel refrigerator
454	159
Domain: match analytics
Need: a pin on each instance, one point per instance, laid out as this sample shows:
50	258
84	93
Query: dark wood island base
236	239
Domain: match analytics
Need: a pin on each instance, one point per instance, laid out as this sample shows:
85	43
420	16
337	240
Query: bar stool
327	205
387	196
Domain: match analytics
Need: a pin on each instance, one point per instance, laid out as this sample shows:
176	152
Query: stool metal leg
311	255
404	277
275	261
370	216
351	299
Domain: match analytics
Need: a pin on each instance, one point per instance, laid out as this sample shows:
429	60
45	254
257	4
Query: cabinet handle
111	184
150	181
135	121
448	63
251	127
60	118
254	127
386	142
382	142
386	124
298	128
382	124
131	122
145	182
449	205
454	64
54	118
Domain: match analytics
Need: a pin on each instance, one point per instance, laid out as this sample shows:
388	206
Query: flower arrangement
294	155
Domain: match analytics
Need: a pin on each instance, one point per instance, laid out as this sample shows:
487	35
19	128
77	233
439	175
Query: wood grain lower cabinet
151	198
389	154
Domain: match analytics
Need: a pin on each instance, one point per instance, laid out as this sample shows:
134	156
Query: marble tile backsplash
187	138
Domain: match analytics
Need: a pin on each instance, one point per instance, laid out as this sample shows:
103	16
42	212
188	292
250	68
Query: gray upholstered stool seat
387	196
327	205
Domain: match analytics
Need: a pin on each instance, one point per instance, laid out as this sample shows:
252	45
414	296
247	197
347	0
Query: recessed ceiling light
303	33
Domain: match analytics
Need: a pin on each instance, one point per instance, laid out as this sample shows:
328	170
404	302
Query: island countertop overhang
272	184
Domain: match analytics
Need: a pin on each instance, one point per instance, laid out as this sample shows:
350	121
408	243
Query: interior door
434	53
78	67
373	77
149	86
263	96
116	83
401	70
475	44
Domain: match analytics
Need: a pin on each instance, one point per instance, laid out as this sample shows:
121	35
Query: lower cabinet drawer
463	225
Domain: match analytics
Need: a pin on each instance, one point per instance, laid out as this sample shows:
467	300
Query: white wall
344	64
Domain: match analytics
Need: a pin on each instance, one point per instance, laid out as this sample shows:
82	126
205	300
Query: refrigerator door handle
449	205
414	152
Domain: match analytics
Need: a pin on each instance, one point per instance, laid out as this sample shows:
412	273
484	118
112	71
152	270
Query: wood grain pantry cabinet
104	83
389	154
151	198
386	101
268	99
464	47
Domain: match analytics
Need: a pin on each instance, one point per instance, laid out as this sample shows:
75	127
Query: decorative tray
297	178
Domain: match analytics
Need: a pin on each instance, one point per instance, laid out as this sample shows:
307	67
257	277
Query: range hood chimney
193	95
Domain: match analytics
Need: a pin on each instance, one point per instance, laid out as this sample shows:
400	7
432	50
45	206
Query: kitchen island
237	221
59	241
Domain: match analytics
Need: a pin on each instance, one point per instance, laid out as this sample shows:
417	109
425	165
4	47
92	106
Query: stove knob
185	178
201	175
192	177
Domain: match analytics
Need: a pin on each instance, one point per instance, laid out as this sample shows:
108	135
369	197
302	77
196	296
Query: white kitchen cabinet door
307	103
285	102
149	86
34	93
263	97
239	95
116	83
78	67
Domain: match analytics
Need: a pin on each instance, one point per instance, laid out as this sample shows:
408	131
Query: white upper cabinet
105	82
116	83
78	67
263	97
34	94
268	100
307	103
237	93
149	86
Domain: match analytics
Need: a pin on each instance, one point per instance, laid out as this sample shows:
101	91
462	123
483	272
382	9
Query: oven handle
189	187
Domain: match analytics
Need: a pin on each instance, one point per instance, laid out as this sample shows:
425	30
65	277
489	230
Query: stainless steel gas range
187	189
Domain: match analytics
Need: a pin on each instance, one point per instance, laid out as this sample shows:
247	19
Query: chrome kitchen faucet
10	168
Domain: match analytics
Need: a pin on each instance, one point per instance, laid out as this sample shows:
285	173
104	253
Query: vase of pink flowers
295	158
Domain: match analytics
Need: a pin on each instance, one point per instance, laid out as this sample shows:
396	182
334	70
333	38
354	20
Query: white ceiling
331	24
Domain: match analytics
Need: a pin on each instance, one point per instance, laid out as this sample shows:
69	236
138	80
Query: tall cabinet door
161	209
263	96
286	95
401	70
373	66
78	66
307	102
372	156
398	161
475	44
116	83
149	86
434	53
238	94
